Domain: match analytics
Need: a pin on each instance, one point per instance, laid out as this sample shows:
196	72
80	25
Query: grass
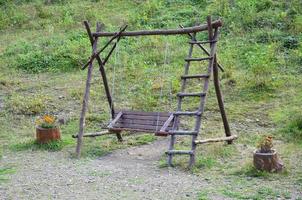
250	171
4	172
34	146
203	195
260	49
293	129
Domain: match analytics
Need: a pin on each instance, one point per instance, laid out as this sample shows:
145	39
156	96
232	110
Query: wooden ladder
211	58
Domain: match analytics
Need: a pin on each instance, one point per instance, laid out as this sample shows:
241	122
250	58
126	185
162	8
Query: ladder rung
187	113
179	152
199	94
198	59
180	132
202	42
195	76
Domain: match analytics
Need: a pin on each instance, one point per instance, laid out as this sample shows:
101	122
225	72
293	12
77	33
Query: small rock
62	120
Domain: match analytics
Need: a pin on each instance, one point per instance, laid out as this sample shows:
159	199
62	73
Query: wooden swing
160	123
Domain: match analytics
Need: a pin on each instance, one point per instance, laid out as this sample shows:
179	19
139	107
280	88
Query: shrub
49	54
261	64
42	12
290	42
292	130
11	15
27	105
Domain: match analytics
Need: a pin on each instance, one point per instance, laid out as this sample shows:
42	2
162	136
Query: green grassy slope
42	47
260	48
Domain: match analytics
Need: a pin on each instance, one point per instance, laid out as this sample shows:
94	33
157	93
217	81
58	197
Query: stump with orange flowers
266	158
47	129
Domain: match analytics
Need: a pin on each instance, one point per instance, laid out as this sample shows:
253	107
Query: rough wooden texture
221	139
44	135
268	161
140	121
86	96
166	126
211	37
195	29
179	107
112	123
94	134
101	68
179	152
220	101
95	54
193	41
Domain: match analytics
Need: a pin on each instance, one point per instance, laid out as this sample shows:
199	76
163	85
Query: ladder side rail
176	119
205	89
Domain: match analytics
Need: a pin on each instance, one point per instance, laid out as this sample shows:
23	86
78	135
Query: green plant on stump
46	121
265	145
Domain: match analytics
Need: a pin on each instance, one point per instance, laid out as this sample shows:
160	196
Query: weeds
4	172
32	104
56	145
250	171
292	130
260	42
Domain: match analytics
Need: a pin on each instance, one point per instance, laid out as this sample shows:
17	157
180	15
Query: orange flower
48	119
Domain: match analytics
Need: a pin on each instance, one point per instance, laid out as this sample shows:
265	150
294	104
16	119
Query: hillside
43	45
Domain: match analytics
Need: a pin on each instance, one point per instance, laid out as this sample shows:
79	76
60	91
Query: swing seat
151	122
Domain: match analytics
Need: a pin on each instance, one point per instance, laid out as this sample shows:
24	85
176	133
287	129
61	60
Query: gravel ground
131	173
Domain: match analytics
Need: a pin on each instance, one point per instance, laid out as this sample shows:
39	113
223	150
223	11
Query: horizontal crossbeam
194	29
94	134
229	138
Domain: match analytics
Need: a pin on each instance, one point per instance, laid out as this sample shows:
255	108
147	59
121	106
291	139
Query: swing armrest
163	131
112	123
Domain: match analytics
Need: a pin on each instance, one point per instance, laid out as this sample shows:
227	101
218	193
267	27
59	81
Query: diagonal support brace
94	55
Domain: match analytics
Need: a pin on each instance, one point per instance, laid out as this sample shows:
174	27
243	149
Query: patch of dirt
131	173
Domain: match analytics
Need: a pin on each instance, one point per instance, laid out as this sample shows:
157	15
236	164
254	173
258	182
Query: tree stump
267	161
45	135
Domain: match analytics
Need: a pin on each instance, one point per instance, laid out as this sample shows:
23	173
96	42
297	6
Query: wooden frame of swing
116	117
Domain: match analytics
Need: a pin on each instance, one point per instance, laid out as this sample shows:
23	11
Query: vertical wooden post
83	111
101	68
220	100
105	82
86	95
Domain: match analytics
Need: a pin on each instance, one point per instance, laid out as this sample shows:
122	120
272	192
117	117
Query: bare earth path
131	173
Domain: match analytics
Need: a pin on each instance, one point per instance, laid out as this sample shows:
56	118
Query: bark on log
220	101
230	138
94	134
267	161
194	29
85	99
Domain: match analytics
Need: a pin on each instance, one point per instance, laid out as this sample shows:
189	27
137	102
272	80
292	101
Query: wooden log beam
112	123
166	124
94	134
194	29
94	55
220	101
86	95
230	138
101	69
